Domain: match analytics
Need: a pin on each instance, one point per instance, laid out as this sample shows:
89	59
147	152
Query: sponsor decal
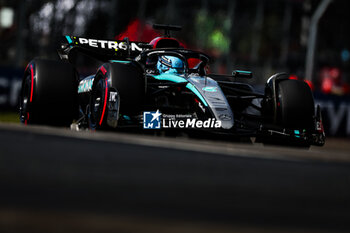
319	126
107	44
225	117
113	109
85	85
157	120
103	70
113	96
210	89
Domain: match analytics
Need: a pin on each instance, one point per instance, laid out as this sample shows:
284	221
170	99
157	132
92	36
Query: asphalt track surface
58	180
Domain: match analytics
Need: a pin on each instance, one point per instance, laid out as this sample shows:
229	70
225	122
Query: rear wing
103	50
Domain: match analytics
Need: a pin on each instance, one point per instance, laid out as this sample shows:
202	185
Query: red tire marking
32	84
105	103
27	118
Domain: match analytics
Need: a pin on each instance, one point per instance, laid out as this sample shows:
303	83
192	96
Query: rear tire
49	93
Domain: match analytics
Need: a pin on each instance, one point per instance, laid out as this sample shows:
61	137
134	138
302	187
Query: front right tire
295	105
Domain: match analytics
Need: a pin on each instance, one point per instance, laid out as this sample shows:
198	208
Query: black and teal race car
162	86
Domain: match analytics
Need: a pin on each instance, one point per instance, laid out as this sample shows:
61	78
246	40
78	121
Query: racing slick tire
295	105
118	88
49	93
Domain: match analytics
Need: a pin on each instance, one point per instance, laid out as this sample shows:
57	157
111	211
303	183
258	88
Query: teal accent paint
197	93
118	61
126	117
297	132
170	77
243	71
210	89
69	39
178	79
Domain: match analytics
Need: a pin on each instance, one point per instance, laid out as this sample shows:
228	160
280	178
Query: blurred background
309	39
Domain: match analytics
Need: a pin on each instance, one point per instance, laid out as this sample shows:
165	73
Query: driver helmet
170	65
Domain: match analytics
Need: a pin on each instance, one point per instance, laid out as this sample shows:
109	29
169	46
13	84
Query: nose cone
215	99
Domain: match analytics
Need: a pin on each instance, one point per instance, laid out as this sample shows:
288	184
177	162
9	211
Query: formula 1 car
161	85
